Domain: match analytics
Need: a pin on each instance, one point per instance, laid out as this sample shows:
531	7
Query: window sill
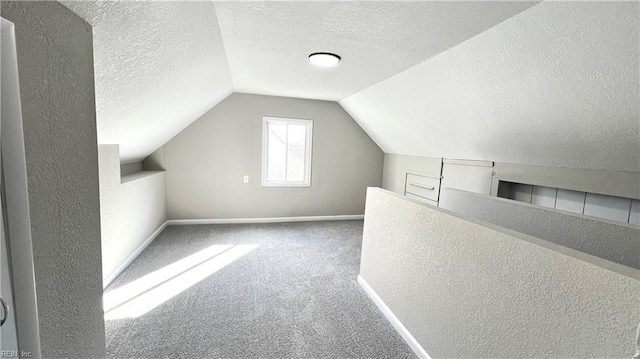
286	185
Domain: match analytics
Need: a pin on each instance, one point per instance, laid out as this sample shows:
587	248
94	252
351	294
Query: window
286	152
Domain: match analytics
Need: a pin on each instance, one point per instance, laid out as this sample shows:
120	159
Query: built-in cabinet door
467	175
423	187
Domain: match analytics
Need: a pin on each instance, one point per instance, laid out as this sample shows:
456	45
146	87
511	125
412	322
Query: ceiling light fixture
324	59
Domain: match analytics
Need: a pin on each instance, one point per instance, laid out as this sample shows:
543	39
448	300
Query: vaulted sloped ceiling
159	65
267	43
552	83
557	85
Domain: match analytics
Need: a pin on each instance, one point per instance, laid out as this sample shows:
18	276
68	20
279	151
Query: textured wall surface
396	167
129	212
468	289
55	64
616	242
206	163
159	66
555	85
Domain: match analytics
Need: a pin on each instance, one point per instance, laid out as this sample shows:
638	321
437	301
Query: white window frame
266	120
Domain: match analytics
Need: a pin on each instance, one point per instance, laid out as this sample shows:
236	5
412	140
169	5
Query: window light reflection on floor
147	300
131	290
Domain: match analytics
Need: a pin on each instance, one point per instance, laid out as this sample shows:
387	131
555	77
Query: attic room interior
335	179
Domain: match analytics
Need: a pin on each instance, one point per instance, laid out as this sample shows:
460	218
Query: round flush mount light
324	59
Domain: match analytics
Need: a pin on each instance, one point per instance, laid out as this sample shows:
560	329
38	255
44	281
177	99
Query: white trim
127	262
266	120
173	222
404	333
450	161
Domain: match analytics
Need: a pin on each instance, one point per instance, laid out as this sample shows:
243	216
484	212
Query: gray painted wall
605	239
129	211
55	59
470	289
130	168
207	161
155	162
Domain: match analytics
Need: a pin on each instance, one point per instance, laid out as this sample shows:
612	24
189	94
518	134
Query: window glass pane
286	146
276	151
296	140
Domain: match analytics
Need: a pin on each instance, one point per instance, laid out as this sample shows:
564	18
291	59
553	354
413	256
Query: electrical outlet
246	179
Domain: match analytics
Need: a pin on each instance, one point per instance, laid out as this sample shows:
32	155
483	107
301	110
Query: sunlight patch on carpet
147	293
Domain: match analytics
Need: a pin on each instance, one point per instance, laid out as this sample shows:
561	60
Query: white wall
55	65
470	289
130	210
207	161
617	242
556	85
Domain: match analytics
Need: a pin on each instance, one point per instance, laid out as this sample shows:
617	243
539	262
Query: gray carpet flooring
294	295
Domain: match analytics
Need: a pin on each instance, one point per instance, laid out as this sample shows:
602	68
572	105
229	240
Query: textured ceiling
267	43
158	67
556	85
552	84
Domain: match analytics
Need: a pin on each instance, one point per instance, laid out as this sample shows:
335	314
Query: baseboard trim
127	262
404	333
172	222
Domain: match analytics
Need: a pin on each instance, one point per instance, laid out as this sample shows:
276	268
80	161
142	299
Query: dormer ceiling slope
160	65
557	85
